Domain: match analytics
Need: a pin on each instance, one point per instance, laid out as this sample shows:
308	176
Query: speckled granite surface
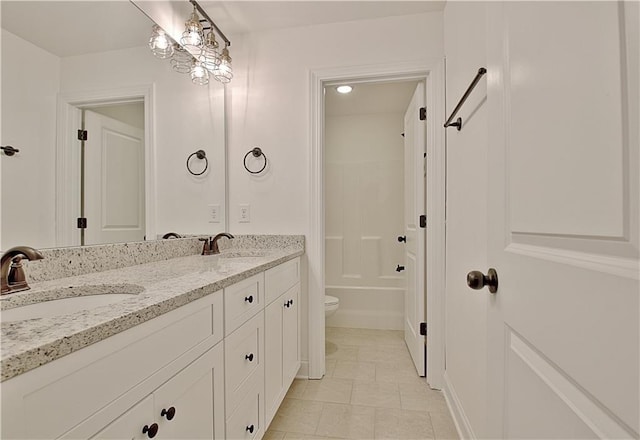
168	284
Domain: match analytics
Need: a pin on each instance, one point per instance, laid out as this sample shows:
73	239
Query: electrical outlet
245	214
214	213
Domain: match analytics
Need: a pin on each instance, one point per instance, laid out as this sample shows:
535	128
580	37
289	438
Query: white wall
363	216
30	81
466	310
269	107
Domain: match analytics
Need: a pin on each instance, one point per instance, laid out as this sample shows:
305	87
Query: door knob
477	280
402	238
399	268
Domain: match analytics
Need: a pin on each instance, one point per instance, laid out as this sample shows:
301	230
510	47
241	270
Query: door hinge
82	135
423	328
82	223
423	113
423	221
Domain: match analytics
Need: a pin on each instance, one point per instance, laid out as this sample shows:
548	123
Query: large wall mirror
85	65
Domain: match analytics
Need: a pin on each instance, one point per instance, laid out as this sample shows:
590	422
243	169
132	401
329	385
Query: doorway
370	193
131	213
433	76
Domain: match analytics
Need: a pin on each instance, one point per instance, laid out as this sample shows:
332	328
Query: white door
414	299
114	181
563	220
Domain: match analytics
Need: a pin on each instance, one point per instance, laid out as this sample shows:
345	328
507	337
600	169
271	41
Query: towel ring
257	152
200	154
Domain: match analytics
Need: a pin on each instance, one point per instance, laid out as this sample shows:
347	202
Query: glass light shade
181	60
209	55
223	72
193	34
160	43
199	74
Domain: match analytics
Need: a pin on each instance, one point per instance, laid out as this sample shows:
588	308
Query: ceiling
67	28
369	98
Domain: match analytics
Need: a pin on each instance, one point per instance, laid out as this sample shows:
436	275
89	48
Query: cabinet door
290	335
273	383
185	406
131	424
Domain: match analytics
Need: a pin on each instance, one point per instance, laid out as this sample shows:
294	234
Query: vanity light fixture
199	75
344	89
223	72
182	60
193	34
209	55
196	53
160	43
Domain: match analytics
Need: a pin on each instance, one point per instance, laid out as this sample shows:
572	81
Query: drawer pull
249	299
151	431
168	413
250	428
249	357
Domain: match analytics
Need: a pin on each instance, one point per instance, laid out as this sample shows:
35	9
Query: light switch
245	214
214	213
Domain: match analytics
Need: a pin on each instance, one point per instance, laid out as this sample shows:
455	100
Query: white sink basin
243	254
49	304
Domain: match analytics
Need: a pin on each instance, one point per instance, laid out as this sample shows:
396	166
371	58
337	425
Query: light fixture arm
213	25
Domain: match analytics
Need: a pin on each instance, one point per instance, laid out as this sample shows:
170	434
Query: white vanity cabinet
282	353
196	372
116	384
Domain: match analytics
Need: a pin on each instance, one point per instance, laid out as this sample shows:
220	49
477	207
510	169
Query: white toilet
331	304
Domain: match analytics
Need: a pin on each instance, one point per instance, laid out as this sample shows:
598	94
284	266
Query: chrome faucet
211	244
12	277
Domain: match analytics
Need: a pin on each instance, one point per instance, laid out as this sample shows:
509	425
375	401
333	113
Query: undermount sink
243	254
58	302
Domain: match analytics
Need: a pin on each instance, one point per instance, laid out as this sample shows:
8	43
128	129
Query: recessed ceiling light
344	89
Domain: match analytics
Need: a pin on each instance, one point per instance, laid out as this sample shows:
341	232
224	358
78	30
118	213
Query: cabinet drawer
246	422
279	279
131	424
243	359
242	300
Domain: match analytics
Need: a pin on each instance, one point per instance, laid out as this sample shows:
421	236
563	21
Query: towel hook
256	152
200	154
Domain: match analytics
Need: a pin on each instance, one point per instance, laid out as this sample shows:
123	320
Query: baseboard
303	371
367	319
457	412
367	307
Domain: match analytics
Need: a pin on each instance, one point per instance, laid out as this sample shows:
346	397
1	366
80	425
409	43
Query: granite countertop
163	286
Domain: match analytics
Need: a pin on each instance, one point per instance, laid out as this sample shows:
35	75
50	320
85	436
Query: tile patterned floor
370	391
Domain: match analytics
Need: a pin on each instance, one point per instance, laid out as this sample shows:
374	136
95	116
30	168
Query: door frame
70	106
432	72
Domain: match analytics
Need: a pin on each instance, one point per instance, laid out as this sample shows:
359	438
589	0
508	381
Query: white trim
622	267
433	71
68	157
591	412
457	411
436	225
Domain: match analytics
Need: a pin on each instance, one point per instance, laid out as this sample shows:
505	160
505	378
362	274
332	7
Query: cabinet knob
250	428
249	299
168	413
151	431
402	238
399	268
289	303
249	357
